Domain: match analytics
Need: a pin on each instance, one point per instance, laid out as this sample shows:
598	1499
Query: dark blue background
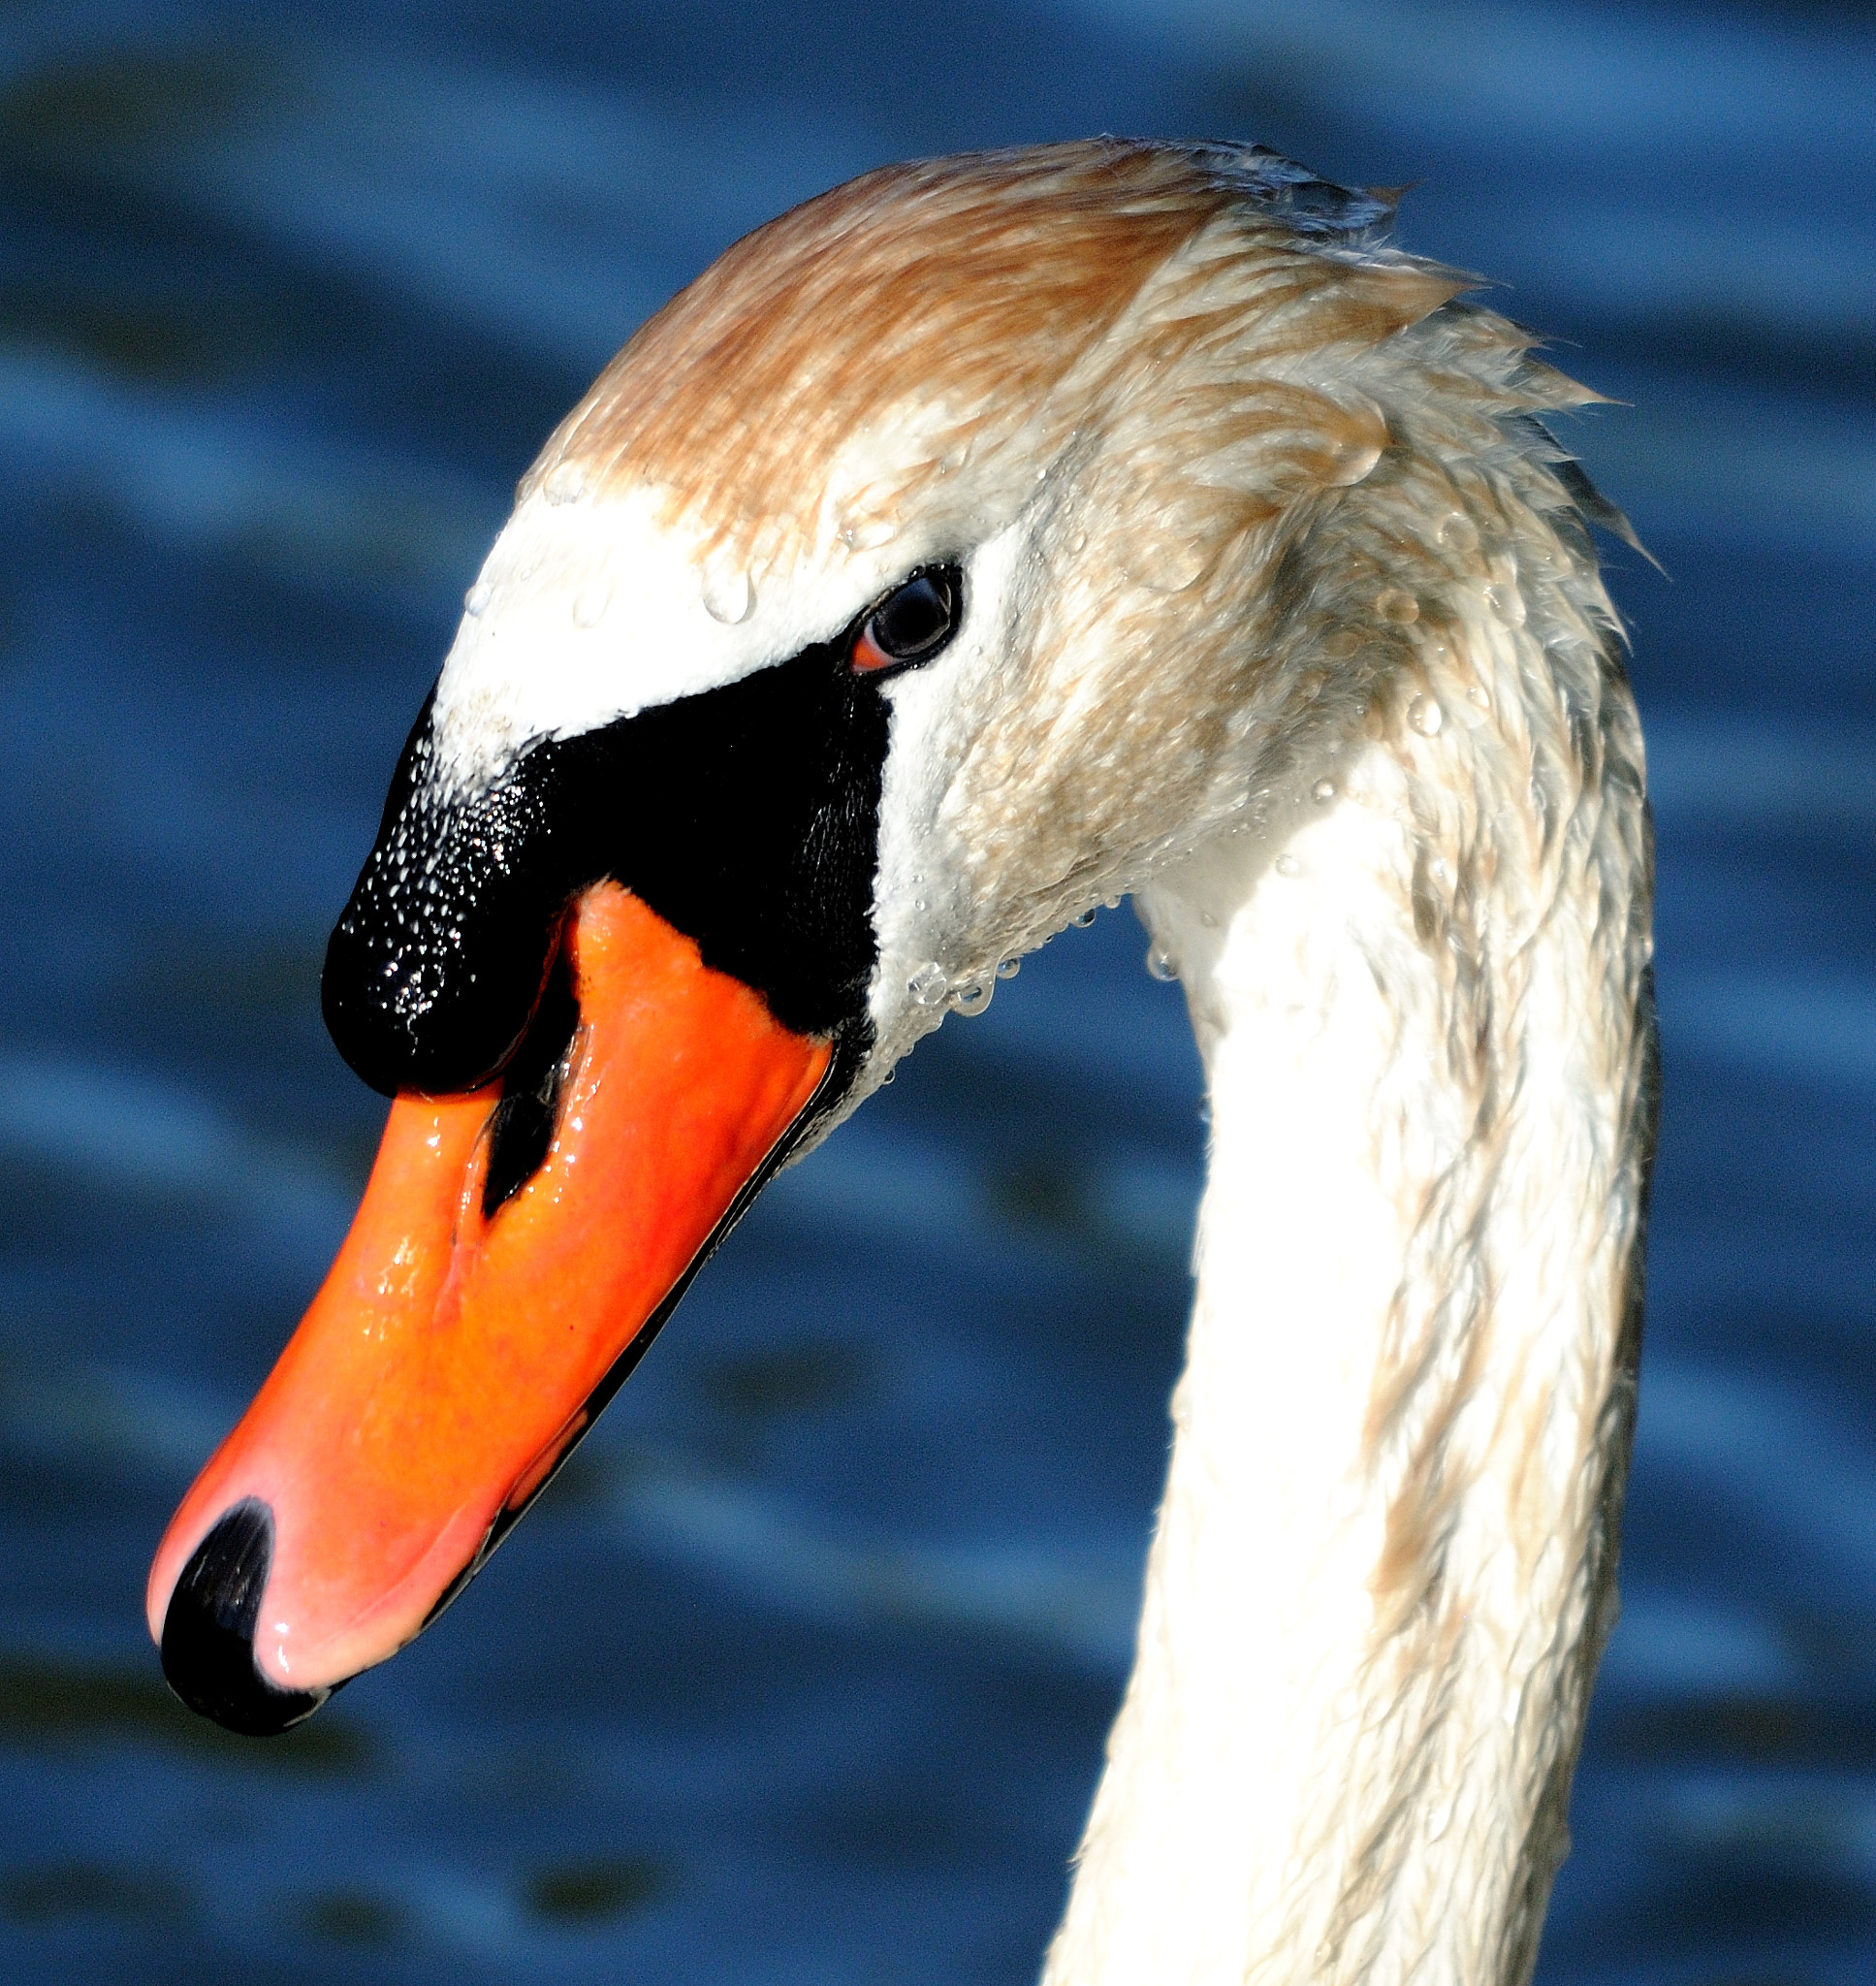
802	1670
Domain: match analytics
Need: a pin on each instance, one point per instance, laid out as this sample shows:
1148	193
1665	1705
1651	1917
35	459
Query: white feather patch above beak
591	608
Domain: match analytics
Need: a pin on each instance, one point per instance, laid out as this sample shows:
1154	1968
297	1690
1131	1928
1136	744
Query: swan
983	540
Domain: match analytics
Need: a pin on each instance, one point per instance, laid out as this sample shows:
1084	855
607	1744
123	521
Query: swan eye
912	624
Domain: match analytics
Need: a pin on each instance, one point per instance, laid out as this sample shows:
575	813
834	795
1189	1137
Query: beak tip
208	1625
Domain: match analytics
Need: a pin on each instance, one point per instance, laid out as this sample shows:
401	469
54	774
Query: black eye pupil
911	621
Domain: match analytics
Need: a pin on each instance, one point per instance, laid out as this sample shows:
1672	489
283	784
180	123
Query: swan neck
1384	1567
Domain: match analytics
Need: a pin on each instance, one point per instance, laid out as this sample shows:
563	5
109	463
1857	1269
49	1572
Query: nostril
523	1122
208	1630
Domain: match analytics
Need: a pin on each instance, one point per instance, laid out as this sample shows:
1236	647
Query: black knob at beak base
438	959
208	1630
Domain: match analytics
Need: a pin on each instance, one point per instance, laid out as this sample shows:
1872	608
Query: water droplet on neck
1459	531
1395	604
566	483
1425	716
1506	602
1341	645
972	997
591	602
1477	695
1086	918
1159	965
929	985
1009	968
1287	865
1322	793
476	599
728	594
1112	903
887	1077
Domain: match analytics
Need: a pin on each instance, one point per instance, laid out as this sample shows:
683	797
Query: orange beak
455	1354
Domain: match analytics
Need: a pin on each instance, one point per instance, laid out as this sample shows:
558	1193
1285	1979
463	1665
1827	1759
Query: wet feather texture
1234	504
289	307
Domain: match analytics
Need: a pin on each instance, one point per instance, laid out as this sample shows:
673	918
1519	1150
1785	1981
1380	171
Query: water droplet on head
1341	645
591	602
1165	565
1351	462
887	1077
1009	968
929	985
1506	602
1425	716
867	533
1112	903
1477	695
1459	531
1287	865
1397	605
728	594
566	483
1086	918
1159	965
476	599
1323	792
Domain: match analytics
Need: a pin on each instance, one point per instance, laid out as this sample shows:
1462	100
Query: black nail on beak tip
208	1630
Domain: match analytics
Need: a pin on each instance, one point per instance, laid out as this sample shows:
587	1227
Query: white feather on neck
1385	1563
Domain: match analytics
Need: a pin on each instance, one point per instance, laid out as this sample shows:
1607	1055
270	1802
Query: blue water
801	1671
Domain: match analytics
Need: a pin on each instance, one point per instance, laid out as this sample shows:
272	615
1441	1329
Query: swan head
956	552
